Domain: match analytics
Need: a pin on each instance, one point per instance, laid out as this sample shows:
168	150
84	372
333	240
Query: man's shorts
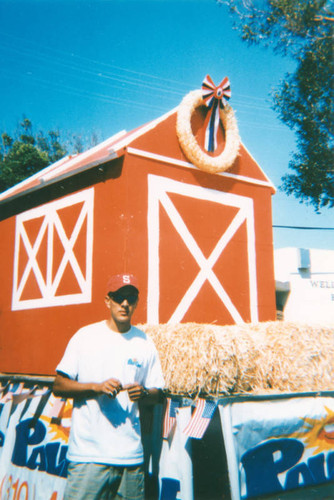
86	481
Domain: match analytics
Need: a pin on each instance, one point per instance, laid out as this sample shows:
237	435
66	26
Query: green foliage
305	103
303	30
26	153
22	161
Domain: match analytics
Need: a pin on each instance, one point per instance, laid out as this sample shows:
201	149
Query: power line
81	62
78	70
304	228
78	63
81	92
46	51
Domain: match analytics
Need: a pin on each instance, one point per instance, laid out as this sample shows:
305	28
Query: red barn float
200	242
181	204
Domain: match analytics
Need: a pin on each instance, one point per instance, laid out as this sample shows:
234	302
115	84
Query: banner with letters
278	445
34	431
272	445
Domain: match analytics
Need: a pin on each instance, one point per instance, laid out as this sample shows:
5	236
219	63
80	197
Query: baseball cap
120	280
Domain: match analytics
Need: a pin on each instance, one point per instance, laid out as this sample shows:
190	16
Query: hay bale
262	358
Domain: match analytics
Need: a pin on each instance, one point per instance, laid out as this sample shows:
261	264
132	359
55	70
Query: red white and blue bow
215	98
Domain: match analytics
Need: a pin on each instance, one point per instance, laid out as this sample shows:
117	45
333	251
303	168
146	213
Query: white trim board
181	163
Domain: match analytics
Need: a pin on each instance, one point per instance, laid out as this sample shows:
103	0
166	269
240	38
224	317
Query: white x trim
159	188
52	224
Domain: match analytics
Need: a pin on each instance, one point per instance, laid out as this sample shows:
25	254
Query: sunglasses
119	298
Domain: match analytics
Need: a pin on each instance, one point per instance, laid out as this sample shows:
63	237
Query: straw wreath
189	144
263	358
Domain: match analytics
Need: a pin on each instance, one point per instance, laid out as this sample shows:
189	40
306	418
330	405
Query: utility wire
51	54
121	82
304	228
76	63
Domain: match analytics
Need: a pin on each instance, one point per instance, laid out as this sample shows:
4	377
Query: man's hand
135	391
111	387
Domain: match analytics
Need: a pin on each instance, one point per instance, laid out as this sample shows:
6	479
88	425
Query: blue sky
101	66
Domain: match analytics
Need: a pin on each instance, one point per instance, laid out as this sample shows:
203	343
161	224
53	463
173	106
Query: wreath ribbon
215	98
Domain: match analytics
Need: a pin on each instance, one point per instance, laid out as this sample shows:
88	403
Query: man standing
107	368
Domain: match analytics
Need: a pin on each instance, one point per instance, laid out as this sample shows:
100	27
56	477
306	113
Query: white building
305	285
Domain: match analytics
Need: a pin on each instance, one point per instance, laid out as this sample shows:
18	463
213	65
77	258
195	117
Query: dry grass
271	357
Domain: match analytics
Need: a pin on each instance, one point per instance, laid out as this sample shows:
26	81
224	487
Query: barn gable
168	150
200	242
156	140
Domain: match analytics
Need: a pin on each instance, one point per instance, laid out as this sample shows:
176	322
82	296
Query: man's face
122	304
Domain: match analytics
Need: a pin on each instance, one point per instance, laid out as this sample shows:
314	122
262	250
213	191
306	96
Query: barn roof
109	150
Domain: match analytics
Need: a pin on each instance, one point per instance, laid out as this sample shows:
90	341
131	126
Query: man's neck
118	327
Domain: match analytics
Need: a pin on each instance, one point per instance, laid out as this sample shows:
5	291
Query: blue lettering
330	465
28	432
2	439
50	458
37	459
317	468
169	488
261	468
301	471
53	467
44	458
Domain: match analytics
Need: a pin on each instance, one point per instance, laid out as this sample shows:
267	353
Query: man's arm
65	387
137	392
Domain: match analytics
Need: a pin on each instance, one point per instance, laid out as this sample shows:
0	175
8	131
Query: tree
27	153
22	161
303	30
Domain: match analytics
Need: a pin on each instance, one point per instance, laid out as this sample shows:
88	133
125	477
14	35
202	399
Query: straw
262	358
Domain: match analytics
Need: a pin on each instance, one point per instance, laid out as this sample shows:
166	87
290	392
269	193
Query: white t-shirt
106	430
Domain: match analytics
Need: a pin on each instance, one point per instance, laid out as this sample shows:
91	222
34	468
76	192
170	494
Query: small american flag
170	416
200	419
